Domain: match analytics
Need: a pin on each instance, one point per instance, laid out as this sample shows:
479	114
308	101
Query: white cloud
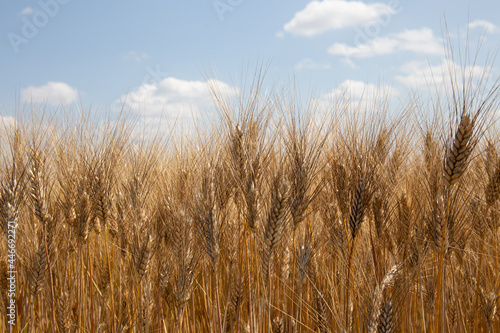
416	40
52	93
353	96
321	16
7	122
135	56
421	75
349	63
309	63
355	91
173	98
488	26
27	11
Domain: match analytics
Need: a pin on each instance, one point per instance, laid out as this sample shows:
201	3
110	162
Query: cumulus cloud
416	40
488	26
7	122
309	63
321	16
52	93
421	75
355	91
355	96
27	11
173	98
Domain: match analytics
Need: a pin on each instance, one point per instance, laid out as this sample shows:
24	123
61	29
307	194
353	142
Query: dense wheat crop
369	219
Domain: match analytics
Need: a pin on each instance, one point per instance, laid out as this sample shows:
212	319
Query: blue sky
156	56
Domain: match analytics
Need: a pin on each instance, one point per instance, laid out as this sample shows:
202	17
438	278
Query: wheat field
271	219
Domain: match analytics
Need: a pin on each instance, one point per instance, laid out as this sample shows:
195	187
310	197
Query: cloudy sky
158	57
